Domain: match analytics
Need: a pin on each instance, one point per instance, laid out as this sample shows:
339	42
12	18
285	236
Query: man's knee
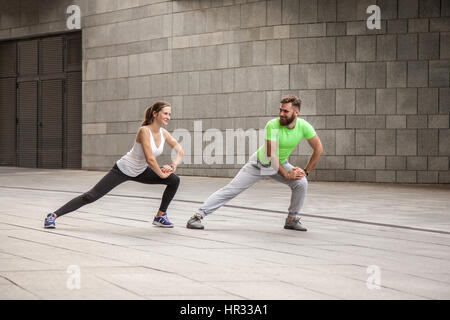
301	184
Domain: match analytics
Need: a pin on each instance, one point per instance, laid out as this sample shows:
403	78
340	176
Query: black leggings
115	177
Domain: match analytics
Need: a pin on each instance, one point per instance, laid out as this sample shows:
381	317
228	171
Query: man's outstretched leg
246	177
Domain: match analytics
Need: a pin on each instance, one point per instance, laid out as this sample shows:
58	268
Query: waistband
262	164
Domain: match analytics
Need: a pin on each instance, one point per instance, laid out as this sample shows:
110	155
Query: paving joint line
253	209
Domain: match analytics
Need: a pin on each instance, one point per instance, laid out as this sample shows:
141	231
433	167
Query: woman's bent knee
174	179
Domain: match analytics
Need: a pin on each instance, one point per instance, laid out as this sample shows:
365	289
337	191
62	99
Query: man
282	135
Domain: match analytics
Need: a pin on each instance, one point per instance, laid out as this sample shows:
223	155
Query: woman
140	165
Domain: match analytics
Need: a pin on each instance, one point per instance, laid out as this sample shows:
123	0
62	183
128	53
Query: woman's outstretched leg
112	179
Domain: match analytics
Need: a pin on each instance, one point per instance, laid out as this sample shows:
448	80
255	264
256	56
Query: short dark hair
296	102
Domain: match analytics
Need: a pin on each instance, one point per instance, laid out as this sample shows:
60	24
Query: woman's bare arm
143	137
174	145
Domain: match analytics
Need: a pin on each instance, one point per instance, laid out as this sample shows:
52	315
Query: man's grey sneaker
294	225
195	223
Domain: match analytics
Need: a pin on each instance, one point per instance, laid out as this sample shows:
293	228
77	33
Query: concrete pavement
360	237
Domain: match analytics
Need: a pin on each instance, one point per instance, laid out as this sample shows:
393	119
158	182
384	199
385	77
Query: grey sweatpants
249	174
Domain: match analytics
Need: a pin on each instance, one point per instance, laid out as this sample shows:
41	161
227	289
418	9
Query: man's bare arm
316	145
271	147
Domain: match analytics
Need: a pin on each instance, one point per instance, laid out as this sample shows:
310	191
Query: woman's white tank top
134	162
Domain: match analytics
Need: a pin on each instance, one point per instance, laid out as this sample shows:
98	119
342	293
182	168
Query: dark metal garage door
40	102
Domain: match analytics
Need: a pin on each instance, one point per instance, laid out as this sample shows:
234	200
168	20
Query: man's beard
288	121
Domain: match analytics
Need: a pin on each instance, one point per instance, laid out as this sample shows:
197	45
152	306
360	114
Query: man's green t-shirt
287	139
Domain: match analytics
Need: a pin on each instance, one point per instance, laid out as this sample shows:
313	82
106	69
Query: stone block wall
379	99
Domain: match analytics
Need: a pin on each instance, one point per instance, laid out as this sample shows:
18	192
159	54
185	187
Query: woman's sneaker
163	221
294	225
195	223
49	222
